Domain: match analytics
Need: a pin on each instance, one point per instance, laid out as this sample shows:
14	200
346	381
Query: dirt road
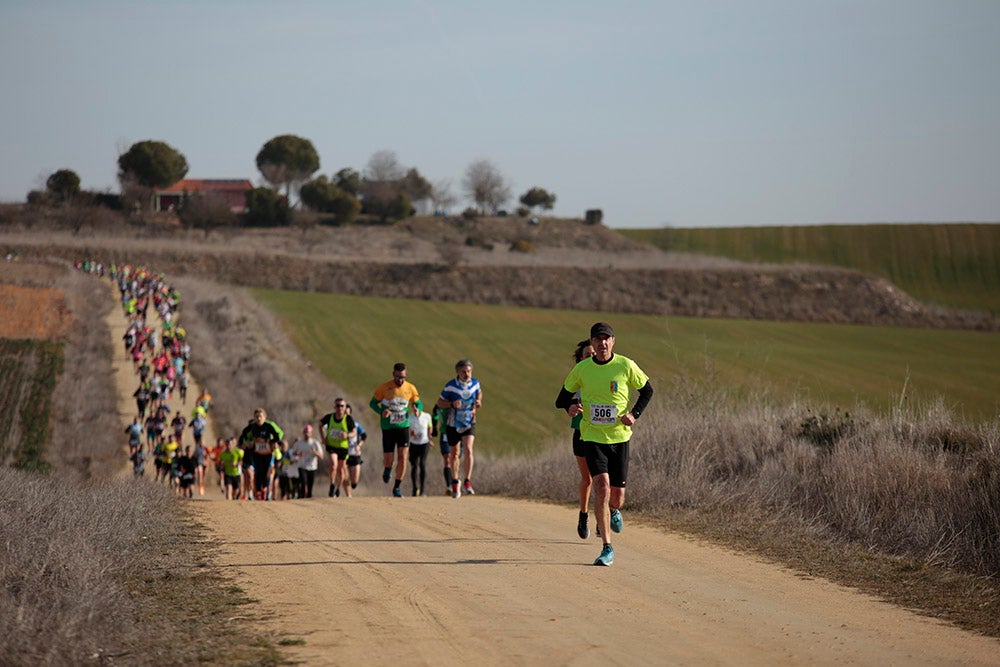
486	580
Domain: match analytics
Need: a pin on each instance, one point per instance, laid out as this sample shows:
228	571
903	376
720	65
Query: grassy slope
521	355
955	265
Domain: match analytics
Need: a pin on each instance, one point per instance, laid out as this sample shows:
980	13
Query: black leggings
261	466
418	464
306	479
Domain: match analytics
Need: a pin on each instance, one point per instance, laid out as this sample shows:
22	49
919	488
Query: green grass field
522	355
955	265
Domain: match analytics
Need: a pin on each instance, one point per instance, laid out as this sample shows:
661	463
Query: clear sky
659	112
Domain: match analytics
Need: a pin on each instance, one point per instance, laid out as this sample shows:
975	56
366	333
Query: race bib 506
603	414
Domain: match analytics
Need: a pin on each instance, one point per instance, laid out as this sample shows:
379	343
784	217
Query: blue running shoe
397	492
386	473
607	556
616	521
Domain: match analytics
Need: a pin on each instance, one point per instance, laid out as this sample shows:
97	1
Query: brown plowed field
36	313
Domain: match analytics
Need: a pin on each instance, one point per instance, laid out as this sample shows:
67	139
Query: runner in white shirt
308	451
420	441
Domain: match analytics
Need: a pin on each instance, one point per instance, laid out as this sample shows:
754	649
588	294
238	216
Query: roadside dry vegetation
113	573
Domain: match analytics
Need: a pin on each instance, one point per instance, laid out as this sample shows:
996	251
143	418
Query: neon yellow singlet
334	425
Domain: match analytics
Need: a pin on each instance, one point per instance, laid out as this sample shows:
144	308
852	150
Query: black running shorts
393	438
610	459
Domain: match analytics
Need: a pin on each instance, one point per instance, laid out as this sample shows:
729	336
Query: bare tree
381	183
392	190
384	166
442	197
486	186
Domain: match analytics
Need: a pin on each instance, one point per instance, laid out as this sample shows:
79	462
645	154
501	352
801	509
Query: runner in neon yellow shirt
336	429
231	460
604	381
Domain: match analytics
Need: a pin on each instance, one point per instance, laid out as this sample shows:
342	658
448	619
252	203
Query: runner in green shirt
231	460
392	401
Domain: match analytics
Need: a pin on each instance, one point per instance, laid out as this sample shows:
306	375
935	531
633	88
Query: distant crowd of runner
157	347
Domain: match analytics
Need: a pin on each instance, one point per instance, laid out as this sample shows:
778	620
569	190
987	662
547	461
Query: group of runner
260	464
408	430
159	357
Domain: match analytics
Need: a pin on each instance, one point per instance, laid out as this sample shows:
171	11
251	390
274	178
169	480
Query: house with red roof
231	190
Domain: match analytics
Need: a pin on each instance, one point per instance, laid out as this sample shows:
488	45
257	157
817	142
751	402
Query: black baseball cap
602	329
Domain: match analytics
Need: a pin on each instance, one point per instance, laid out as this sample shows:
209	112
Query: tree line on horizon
385	189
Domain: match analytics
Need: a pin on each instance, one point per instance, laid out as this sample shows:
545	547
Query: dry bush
81	218
206	211
451	253
522	245
886	484
112	573
66	562
9	214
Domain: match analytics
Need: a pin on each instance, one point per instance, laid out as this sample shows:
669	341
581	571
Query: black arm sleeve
565	399
645	393
324	421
